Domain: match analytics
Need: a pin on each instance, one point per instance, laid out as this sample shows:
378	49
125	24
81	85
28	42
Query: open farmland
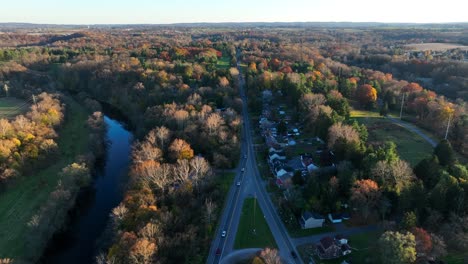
435	46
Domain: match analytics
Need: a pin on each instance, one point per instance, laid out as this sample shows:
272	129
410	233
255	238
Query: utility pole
6	88
255	205
34	99
448	125
402	103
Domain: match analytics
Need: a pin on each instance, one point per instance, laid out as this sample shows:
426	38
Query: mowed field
252	218
411	147
23	198
11	107
435	46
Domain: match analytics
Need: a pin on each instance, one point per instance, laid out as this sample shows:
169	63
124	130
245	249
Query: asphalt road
251	185
413	129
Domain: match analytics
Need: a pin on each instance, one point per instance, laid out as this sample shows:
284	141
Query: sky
179	11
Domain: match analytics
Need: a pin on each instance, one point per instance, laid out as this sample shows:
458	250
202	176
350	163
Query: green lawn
363	245
456	258
252	217
411	147
224	63
299	232
11	107
22	200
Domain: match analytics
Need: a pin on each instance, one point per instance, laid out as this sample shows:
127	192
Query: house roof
308	214
327	242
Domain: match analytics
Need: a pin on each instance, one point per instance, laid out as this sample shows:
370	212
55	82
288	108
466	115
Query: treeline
28	142
282	68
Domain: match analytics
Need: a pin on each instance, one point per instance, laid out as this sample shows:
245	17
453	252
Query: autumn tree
270	256
142	251
365	195
397	248
423	241
180	149
366	95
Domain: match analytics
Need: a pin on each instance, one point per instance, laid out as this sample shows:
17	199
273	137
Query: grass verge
22	200
252	217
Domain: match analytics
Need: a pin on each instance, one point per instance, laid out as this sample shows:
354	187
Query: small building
335	218
276	156
330	248
311	220
327	248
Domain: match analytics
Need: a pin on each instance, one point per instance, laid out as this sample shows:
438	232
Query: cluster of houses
282	167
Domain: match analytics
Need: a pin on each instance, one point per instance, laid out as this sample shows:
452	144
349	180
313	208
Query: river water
89	219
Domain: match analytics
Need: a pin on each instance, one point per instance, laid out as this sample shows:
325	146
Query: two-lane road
251	184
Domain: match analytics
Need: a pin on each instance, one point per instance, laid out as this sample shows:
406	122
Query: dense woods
179	91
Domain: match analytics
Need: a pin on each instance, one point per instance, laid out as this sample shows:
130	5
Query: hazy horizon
89	12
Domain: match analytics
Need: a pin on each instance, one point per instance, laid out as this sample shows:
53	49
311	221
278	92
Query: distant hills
9	26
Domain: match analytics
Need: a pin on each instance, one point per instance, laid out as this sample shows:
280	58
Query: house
275	149
296	164
327	248
276	156
311	220
307	162
280	171
335	218
330	248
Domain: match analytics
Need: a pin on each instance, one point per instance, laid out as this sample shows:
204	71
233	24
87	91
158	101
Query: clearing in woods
11	107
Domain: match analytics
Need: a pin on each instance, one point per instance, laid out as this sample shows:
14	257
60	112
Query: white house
311	220
276	156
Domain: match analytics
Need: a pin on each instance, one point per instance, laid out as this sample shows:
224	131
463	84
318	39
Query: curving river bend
78	243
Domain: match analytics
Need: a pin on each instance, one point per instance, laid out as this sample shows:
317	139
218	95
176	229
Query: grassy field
299	232
245	238
11	107
363	245
456	258
22	200
224	63
411	147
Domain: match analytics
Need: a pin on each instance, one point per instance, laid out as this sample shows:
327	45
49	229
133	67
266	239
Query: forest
179	89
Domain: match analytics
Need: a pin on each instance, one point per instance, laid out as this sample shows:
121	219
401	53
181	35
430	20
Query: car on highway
218	251
245	156
243	169
223	234
238	183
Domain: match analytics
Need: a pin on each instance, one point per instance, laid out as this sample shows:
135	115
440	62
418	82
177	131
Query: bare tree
210	210
119	212
163	134
5	127
200	167
213	122
143	151
150	230
182	170
270	256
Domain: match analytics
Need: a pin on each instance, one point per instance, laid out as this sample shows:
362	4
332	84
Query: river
77	244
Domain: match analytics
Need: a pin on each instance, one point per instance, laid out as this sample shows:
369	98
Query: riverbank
20	202
77	244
